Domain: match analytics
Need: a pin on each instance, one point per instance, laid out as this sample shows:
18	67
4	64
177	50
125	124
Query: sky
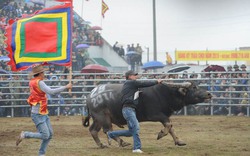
180	24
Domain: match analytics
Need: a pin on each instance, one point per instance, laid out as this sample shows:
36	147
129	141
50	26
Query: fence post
185	110
12	110
212	109
248	110
58	112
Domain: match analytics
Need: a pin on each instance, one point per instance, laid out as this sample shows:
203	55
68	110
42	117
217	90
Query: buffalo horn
183	91
177	85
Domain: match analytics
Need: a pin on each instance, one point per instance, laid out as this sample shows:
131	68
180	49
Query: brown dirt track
204	135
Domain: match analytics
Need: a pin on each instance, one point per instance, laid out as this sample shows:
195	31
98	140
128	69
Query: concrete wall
108	54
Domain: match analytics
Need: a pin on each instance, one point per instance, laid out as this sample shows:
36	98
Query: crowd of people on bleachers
229	87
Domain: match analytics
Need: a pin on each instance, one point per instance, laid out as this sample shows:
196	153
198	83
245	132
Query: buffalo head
190	92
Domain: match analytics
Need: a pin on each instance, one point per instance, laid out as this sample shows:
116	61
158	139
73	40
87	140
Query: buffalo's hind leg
123	143
168	128
120	142
107	126
94	129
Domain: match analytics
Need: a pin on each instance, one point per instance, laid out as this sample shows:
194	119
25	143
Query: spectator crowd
230	87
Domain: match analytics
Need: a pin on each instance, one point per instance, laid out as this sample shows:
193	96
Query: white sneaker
20	138
137	151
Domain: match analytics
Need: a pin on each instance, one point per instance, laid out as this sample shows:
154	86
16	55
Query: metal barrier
231	95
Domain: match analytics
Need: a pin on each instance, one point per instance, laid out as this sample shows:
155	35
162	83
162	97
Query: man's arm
48	90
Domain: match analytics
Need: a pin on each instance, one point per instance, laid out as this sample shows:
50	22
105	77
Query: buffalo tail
85	118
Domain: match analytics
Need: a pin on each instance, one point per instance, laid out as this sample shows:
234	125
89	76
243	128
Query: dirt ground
204	135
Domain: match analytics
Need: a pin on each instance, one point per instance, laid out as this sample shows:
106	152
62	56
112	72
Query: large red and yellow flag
44	37
104	8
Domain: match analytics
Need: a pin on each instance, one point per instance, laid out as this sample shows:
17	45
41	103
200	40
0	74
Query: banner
44	37
209	55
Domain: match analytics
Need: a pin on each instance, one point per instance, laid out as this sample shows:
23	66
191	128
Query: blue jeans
133	127
44	129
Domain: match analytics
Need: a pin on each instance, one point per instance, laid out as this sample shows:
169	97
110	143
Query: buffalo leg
164	132
168	128
123	143
107	126
177	141
94	129
120	142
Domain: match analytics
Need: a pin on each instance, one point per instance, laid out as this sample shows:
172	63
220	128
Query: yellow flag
104	8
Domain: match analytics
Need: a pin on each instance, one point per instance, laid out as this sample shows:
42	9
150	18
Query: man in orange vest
39	108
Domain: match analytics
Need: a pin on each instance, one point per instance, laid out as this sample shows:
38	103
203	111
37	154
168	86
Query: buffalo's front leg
168	128
164	132
177	141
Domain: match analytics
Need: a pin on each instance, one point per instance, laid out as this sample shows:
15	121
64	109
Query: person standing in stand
39	110
130	99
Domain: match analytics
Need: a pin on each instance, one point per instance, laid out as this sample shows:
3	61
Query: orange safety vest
37	96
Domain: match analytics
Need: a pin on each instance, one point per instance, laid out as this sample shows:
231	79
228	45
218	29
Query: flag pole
82	10
101	12
70	77
104	8
70	67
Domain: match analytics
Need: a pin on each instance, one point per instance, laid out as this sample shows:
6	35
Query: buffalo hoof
180	143
103	146
124	144
161	134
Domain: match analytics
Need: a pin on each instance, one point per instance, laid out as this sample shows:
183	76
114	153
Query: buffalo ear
183	91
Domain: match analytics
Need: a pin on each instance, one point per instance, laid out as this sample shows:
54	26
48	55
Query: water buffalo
156	103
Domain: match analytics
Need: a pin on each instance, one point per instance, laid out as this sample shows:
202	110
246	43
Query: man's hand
159	80
69	86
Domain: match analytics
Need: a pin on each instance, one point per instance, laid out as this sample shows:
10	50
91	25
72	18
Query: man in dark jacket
130	97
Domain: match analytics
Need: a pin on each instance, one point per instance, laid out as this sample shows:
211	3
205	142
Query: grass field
204	135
